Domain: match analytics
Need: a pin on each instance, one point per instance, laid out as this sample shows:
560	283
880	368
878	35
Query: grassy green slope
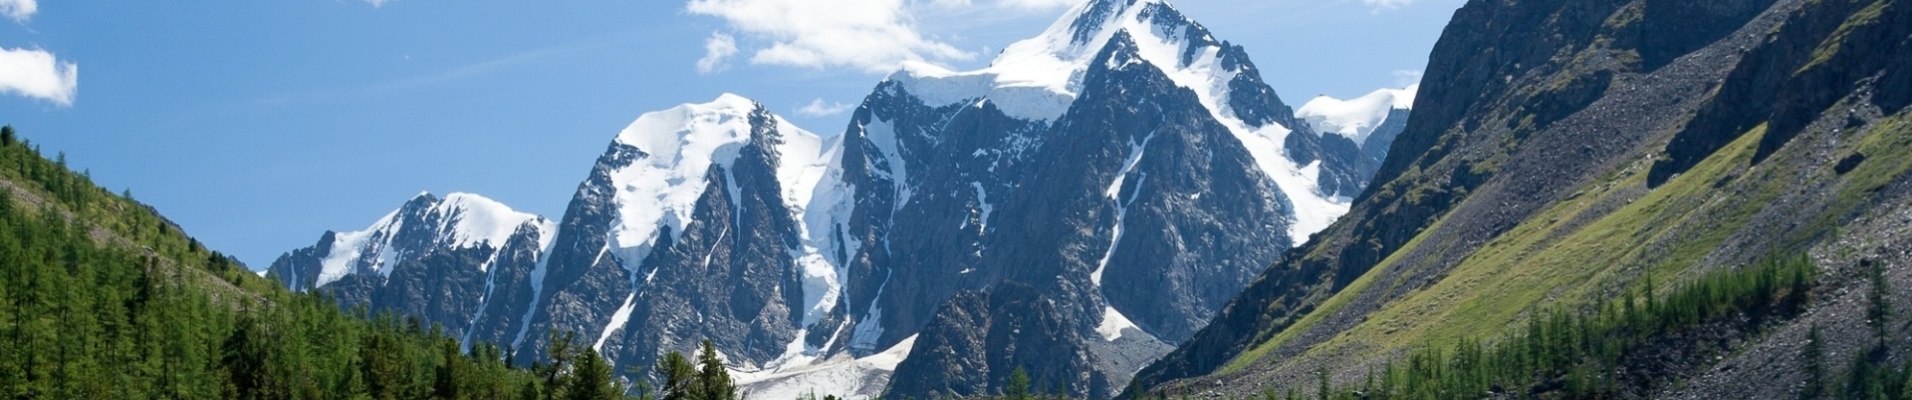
1550	261
1555	191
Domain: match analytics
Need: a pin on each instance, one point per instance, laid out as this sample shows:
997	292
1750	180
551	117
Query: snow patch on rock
1113	324
852	379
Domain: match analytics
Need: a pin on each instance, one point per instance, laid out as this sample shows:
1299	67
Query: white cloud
820	108
717	49
36	73
1383	5
870	35
19	10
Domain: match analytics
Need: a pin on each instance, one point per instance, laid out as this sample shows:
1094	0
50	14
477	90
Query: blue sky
258	125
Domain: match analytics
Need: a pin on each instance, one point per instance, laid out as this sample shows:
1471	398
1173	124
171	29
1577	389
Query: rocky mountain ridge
1075	209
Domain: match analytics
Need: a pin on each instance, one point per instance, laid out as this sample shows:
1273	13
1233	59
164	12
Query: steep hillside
105	298
1564	152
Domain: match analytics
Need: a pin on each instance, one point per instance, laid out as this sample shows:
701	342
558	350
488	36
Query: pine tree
641	389
246	361
1815	365
529	391
449	374
679	376
1905	389
1801	285
1017	388
383	369
7	136
1880	308
553	374
591	378
1652	306
713	381
1323	388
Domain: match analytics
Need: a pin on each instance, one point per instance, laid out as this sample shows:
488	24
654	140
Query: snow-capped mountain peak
479	220
457	221
1356	118
677	147
1037	78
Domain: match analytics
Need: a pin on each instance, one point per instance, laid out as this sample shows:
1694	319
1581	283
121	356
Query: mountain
1150	172
1074	210
707	221
464	262
1566	154
1372	120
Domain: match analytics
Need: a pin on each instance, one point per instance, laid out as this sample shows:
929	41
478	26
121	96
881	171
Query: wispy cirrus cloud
38	74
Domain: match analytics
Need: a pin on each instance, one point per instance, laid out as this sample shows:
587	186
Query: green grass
1540	262
1886	145
1508	277
1333	304
1830	47
1549	262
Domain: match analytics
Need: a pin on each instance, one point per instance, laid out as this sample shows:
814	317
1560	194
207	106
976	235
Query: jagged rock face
1138	202
1145	204
725	273
1185	216
1775	85
1376	146
976	341
462	263
928	180
1074	217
